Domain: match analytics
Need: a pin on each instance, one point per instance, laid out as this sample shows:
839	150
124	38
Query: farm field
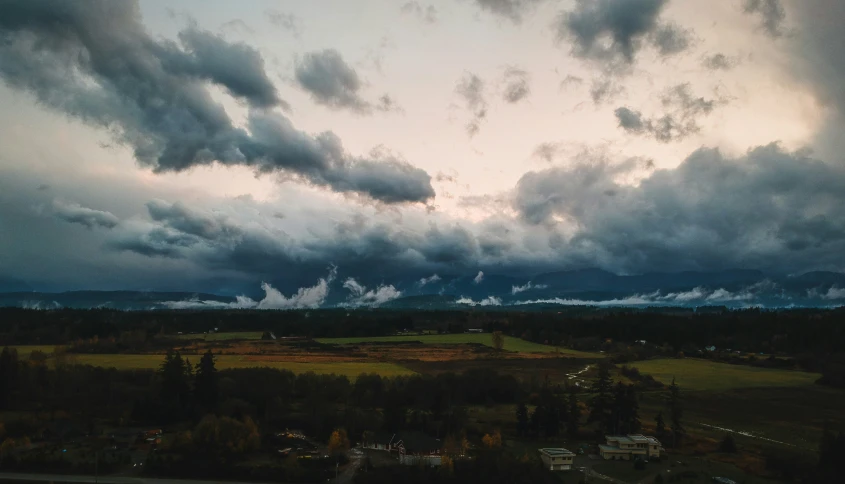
150	362
695	374
25	350
511	343
244	335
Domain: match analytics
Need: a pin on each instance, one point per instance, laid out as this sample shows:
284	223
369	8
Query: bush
728	445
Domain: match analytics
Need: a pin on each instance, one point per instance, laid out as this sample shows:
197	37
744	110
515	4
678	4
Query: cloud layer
95	62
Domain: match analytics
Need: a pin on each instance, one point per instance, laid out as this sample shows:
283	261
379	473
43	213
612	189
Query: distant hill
730	288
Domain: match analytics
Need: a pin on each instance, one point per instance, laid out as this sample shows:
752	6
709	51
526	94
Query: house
475	330
379	440
627	447
557	459
418	448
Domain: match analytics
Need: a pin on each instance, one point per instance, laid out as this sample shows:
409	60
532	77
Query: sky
215	145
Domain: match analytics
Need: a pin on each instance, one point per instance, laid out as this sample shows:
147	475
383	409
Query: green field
243	335
511	343
695	374
224	362
25	350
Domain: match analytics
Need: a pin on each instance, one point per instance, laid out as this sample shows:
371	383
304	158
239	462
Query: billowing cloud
488	301
628	25
835	293
478	277
754	211
361	296
517	85
331	81
527	287
770	13
305	297
679	122
95	62
427	14
428	280
471	90
77	214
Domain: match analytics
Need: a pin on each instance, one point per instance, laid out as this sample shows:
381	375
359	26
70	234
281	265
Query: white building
627	447
557	459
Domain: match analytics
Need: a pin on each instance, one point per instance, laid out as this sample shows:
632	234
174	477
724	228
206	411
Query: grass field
511	344
25	350
224	362
243	335
695	374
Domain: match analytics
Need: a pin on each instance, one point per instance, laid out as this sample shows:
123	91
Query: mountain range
588	287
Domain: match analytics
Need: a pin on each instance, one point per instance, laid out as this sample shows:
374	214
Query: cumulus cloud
681	120
517	85
612	32
77	214
427	14
770	13
527	287
478	277
361	296
834	293
95	62
428	280
471	90
331	81
488	301
758	210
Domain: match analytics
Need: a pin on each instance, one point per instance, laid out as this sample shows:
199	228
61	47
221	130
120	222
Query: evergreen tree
601	405
9	368
660	426
552	422
205	386
174	382
573	413
676	412
728	445
632	411
521	420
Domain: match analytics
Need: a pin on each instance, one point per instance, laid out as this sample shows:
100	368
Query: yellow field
148	362
695	374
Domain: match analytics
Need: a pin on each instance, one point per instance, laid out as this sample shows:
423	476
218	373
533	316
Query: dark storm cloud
680	121
719	62
768	209
428	14
331	81
77	214
771	14
517	85
237	66
94	61
471	89
510	9
181	218
629	25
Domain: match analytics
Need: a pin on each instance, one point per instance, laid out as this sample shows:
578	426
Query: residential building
557	459
418	448
627	447
379	440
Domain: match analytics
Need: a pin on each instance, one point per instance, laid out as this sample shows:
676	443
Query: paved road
11	476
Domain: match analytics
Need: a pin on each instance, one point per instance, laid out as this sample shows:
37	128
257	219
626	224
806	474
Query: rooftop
557	451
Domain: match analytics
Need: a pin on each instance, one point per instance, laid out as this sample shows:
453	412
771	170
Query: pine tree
601	405
521	420
174	384
660	426
728	445
676	412
573	414
206	382
632	417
